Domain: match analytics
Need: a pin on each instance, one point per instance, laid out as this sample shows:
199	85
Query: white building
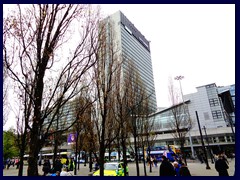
213	119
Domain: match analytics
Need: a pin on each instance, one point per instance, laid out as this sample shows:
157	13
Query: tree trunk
144	162
22	150
136	154
101	158
33	154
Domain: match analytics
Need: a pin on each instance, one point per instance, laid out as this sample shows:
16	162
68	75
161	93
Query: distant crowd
179	168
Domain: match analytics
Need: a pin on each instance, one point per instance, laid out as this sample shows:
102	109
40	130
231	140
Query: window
217	114
213	102
221	139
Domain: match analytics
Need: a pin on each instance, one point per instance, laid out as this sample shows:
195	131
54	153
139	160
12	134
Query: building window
215	140
213	102
217	114
229	138
221	139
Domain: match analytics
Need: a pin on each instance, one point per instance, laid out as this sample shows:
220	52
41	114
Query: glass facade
135	47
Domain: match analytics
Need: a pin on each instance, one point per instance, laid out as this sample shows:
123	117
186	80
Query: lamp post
179	78
210	153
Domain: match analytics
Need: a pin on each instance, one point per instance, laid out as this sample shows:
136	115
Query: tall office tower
134	46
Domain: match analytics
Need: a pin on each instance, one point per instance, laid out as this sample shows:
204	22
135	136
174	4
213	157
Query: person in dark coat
184	171
58	165
67	163
221	166
46	167
166	168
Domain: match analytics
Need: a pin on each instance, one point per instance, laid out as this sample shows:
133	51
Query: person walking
57	165
71	165
221	166
8	163
184	171
46	167
64	172
155	161
67	164
166	168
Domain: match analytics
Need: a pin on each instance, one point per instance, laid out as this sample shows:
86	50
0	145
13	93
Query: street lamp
179	78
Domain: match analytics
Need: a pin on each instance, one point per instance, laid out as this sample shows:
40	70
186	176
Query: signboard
72	138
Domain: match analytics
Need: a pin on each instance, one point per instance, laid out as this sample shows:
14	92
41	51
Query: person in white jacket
65	173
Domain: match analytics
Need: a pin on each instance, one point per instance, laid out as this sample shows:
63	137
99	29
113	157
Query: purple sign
72	138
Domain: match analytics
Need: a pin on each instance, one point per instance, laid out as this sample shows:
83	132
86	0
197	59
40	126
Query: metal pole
209	150
204	150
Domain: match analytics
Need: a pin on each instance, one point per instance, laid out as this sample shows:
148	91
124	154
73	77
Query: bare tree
180	120
147	135
81	107
5	78
122	114
106	71
37	37
135	106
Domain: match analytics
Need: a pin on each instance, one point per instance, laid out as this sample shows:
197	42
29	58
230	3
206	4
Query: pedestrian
17	163
184	171
90	165
200	157
71	165
96	167
67	163
221	166
151	161
57	165
64	172
148	160
155	161
176	168
46	167
166	168
8	163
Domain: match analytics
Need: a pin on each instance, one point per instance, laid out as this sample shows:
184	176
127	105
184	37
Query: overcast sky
195	41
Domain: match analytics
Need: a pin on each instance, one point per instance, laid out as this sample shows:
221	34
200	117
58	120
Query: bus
63	157
169	151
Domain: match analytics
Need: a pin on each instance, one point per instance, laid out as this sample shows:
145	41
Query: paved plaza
195	167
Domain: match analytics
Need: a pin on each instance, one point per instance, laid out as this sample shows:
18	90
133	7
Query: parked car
112	169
